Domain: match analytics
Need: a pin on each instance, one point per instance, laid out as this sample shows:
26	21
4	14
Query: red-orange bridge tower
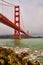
17	21
16	24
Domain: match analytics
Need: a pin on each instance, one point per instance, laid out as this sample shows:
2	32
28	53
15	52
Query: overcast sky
31	16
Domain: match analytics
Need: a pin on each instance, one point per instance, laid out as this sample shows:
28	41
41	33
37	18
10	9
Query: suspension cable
10	5
22	21
21	15
7	2
5	5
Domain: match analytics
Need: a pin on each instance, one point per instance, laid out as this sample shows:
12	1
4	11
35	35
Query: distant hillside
11	36
6	36
22	36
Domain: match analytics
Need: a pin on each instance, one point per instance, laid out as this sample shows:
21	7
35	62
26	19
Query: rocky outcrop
9	57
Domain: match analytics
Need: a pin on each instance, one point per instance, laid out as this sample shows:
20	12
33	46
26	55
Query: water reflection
17	42
28	43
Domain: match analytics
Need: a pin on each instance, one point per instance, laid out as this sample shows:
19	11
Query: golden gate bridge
16	24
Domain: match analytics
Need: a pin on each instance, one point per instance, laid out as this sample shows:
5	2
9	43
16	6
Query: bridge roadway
6	21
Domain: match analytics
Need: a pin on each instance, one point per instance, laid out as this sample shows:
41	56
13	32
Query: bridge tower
17	21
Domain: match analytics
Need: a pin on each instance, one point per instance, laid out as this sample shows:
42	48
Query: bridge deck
6	21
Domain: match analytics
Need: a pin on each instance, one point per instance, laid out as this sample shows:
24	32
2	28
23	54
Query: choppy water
32	43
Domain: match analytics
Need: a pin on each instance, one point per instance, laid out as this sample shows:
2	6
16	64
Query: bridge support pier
17	22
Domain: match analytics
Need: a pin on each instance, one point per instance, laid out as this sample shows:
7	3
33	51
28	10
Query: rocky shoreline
20	56
34	55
